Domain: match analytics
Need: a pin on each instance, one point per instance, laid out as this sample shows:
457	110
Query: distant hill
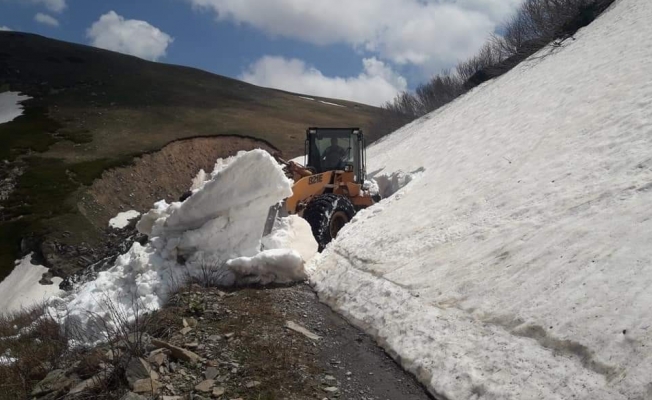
93	110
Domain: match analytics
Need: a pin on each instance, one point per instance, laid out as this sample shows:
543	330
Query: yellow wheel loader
329	188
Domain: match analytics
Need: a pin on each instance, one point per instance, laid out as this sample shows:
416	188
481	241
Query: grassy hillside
94	109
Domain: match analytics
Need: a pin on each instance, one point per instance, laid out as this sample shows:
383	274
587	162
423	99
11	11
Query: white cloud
129	36
52	5
46	20
5	28
429	33
375	85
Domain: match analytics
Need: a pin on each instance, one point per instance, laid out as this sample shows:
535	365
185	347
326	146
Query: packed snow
214	234
21	289
518	265
10	107
122	219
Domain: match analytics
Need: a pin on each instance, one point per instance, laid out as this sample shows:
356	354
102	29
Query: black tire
326	215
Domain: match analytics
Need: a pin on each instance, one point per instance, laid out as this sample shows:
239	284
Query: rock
211	373
298	328
55	381
252	384
329	377
177	352
138	369
185	330
189	323
218	391
147	385
330	389
229	335
158	357
205	386
171	398
132	396
191	345
88	384
214	338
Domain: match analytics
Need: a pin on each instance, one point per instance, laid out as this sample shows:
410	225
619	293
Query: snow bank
217	229
21	289
519	264
10	107
122	219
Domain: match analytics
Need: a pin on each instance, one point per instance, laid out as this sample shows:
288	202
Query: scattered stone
177	352
252	384
189	323
329	377
300	329
138	369
158	357
229	335
211	373
55	381
205	386
132	396
218	391
148	385
214	338
171	398
185	330
330	389
88	384
191	345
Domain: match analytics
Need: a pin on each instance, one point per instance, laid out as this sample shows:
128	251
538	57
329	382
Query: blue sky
367	50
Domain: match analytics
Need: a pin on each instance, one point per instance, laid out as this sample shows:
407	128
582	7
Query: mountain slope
516	264
93	109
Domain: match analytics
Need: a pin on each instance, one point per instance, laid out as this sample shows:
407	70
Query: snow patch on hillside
518	264
122	219
21	289
10	107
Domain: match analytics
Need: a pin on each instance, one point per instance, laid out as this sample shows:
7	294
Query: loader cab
341	149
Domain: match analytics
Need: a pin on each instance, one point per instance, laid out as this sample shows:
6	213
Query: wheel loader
330	187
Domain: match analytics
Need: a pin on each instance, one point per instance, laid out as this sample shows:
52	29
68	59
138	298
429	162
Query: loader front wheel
327	214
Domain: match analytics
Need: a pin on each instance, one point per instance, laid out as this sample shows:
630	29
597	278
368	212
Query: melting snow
519	264
10	107
122	219
21	289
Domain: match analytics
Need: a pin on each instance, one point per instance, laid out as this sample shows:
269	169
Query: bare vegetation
536	24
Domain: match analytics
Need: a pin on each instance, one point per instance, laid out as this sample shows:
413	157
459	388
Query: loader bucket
275	212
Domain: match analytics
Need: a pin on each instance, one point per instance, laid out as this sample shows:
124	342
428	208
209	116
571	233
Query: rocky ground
254	343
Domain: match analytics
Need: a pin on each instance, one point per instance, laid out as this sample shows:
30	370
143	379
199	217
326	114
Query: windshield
332	149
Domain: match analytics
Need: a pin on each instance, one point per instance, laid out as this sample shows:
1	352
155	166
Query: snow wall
518	264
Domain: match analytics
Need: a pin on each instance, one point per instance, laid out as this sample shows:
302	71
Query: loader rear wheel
327	214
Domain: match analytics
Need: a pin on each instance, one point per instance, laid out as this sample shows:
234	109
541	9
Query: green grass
31	131
77	136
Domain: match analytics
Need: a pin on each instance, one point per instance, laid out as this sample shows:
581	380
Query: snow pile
217	230
10	107
122	219
21	289
519	264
